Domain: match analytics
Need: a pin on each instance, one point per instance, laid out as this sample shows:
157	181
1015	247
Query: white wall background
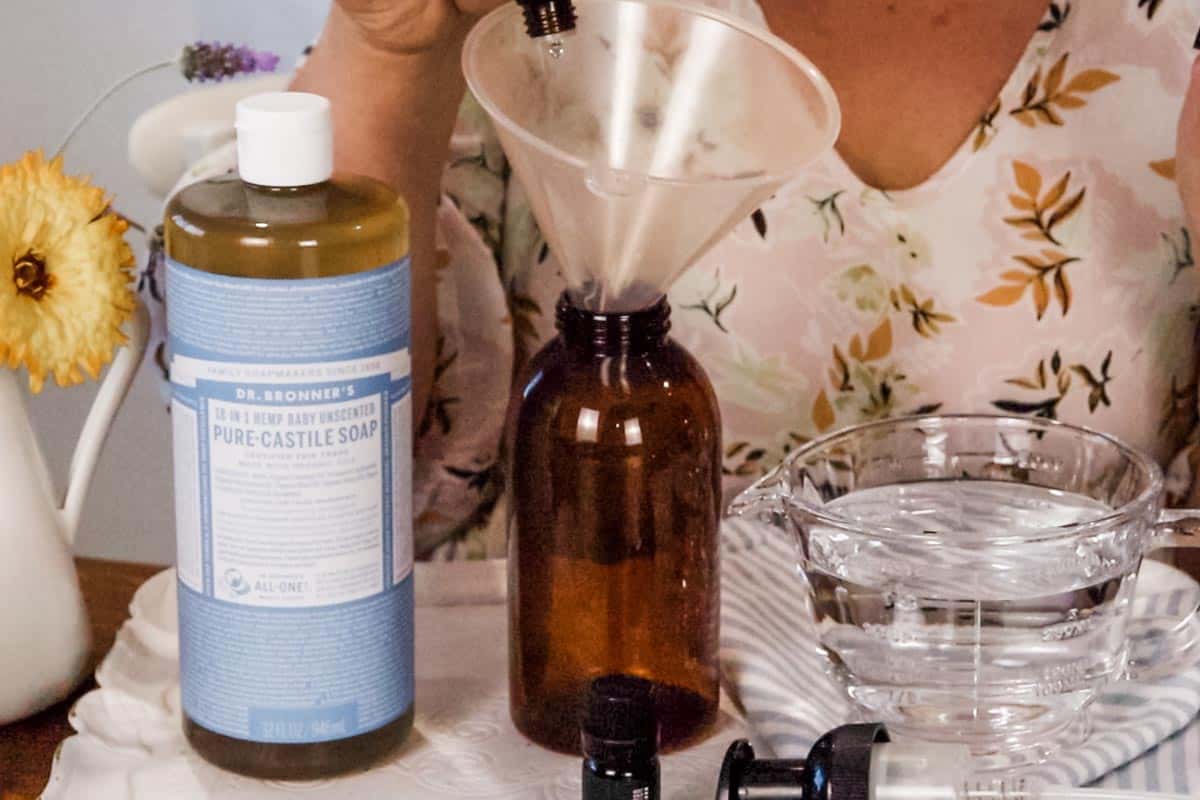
58	55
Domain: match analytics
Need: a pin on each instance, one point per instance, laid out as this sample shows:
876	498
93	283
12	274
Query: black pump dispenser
838	767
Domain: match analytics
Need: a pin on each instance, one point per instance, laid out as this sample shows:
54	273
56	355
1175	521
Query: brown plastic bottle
613	537
343	226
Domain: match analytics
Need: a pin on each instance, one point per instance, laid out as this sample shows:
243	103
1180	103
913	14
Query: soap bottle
288	322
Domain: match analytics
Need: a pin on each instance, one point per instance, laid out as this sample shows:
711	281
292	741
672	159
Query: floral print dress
1045	269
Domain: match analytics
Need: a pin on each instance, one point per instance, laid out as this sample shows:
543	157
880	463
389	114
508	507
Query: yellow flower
64	273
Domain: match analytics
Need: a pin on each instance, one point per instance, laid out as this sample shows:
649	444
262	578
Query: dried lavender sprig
198	61
213	61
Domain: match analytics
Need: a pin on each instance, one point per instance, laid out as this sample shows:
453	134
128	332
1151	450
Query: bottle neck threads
622	333
548	17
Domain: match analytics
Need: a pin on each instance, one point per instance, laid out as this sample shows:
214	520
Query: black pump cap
548	17
838	767
743	774
839	764
619	723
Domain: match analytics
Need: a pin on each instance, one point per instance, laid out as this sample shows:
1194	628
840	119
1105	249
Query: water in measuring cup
941	634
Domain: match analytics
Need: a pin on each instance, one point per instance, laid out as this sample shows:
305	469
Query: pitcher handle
100	418
1163	645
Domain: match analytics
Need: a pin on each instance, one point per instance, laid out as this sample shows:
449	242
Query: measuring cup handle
1161	645
1176	527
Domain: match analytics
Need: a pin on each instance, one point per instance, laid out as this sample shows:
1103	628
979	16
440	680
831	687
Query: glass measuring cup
971	578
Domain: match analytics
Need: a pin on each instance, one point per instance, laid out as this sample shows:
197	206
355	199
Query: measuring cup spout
767	500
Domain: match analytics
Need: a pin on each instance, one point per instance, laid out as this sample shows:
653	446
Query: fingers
478	7
1188	150
357	6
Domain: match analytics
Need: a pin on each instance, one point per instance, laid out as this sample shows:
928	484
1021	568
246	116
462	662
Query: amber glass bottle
613	540
295	585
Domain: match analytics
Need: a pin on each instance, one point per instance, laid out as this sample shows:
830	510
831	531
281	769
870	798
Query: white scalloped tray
129	745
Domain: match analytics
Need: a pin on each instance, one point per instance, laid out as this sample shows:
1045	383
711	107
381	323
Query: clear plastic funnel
646	134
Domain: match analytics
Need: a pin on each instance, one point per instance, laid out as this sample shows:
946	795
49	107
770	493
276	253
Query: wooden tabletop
27	747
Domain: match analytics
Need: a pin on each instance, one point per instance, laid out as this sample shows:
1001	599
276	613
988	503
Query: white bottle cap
284	139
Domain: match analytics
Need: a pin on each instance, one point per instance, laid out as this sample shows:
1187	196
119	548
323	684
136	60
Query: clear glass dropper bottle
909	771
858	762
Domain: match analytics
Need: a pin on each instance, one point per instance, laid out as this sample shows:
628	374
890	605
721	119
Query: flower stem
106	94
137	226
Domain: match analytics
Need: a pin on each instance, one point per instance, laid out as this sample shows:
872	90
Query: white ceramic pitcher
45	639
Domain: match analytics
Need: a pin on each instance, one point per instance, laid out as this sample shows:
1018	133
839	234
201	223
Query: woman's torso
1045	269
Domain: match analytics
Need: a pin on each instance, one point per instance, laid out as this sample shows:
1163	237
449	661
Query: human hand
408	26
1187	155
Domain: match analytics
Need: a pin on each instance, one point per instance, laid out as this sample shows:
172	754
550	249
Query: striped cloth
1145	735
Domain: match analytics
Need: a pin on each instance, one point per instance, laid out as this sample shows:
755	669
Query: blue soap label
291	412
